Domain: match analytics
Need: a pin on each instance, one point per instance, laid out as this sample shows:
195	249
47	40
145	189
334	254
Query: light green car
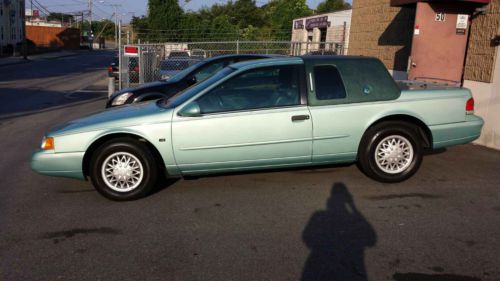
272	113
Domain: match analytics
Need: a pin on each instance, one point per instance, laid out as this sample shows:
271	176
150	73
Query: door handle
300	118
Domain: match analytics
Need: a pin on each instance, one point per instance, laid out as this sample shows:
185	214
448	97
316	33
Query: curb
22	61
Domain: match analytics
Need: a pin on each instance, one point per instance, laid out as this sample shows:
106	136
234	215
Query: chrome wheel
122	171
394	154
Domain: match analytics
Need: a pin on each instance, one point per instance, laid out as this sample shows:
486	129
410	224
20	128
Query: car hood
140	88
123	116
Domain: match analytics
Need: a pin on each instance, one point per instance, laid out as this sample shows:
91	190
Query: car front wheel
123	169
391	152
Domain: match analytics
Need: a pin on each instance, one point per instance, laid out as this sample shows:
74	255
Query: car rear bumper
67	165
457	133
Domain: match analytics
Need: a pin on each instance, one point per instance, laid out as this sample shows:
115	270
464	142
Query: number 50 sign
440	16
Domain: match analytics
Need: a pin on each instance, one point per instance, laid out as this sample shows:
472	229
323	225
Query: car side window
328	83
260	88
208	71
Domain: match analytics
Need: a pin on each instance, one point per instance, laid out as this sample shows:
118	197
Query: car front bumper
67	165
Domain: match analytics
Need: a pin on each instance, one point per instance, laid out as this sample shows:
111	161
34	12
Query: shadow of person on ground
337	238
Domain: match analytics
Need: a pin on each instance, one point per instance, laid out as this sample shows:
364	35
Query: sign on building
319	22
298	24
440	16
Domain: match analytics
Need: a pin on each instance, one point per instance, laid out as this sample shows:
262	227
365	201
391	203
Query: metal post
120	55
25	42
237	46
111	86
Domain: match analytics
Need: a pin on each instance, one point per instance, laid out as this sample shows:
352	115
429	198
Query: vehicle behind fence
155	61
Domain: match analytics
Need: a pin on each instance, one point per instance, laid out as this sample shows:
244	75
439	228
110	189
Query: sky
128	8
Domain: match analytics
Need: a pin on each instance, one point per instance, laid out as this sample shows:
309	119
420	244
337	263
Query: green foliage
281	13
329	6
102	28
164	15
60	17
234	20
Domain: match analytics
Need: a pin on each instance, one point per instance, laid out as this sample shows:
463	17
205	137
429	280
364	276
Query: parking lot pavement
329	223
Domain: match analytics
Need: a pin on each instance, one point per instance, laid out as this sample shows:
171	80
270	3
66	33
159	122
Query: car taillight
469	106
110	69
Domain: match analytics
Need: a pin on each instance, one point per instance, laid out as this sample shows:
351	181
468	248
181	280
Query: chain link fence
155	61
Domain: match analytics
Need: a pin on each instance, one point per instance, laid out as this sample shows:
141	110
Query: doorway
440	42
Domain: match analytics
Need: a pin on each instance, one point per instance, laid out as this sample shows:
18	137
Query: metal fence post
141	66
120	61
237	47
111	86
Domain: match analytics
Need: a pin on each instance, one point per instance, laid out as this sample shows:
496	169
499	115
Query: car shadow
337	238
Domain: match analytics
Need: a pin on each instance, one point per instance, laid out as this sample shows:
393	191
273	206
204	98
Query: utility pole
91	35
25	42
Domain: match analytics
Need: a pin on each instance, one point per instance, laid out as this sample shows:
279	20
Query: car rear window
328	83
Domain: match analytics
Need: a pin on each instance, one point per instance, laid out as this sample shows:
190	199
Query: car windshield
183	96
183	73
178	55
174	64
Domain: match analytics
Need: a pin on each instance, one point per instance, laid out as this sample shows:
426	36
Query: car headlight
121	99
165	77
47	143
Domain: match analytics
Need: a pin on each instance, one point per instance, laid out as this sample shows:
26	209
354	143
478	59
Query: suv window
209	70
254	89
328	83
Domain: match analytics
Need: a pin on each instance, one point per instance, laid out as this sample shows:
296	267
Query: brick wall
481	54
54	37
382	31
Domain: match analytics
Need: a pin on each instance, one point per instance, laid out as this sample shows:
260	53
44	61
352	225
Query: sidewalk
47	56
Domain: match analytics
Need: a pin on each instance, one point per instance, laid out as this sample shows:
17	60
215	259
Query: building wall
54	37
382	31
11	22
487	98
337	32
481	55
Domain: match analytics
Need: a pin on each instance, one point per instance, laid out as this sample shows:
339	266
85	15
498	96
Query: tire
135	179
399	153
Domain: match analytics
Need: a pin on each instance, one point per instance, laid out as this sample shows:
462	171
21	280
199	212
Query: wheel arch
105	138
423	130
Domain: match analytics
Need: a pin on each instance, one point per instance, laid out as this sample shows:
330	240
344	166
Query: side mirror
191	110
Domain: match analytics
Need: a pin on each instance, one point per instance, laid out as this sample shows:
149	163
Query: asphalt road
47	83
330	223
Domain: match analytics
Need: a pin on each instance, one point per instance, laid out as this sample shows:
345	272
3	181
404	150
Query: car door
256	119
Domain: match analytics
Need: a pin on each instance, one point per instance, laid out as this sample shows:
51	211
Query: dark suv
182	80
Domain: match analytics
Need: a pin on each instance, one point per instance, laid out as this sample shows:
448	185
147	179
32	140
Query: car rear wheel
123	169
390	152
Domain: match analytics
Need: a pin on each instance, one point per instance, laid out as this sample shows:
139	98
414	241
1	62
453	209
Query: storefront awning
406	2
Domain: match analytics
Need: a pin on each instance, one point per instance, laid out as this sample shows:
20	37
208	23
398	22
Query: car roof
267	62
243	56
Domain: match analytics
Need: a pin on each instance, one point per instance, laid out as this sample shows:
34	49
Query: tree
329	6
281	13
164	15
60	17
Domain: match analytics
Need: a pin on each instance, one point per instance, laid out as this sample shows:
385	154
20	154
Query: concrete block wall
481	55
382	31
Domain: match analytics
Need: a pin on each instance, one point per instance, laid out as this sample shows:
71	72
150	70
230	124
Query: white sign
440	17
462	21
